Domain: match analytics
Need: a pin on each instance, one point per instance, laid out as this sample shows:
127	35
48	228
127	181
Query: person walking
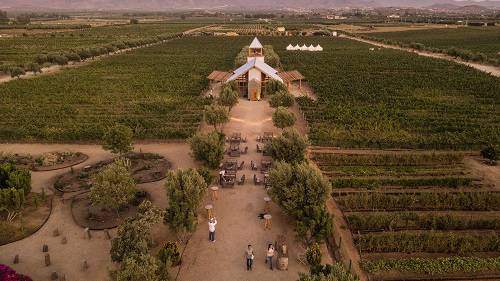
270	255
249	256
211	229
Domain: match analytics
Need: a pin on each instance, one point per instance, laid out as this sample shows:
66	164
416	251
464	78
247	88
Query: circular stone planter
96	218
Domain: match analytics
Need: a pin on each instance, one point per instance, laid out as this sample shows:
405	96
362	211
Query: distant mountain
235	4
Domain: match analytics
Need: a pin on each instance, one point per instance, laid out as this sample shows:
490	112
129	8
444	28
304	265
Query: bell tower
256	51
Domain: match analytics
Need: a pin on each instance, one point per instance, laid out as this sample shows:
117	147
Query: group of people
249	252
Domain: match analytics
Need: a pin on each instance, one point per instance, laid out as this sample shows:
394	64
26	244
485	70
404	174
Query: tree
114	187
168	256
11	201
14	177
16	72
133	236
228	97
142	267
208	148
490	152
4	19
282	98
118	139
283	118
301	191
274	86
185	191
216	115
329	272
23	19
290	147
134	21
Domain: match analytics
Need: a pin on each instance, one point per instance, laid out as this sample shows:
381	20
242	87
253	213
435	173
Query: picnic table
235	137
267	136
265	165
230	165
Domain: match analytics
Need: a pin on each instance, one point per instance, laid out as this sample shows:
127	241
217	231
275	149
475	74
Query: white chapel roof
256	44
260	65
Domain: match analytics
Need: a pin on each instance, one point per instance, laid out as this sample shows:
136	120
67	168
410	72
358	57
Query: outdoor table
214	193
209	209
267	221
267	206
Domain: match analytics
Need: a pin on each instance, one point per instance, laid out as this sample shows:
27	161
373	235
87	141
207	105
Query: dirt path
495	71
53	69
237	212
489	174
67	259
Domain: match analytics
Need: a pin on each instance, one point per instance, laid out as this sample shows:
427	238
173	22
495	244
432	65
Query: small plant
490	153
313	255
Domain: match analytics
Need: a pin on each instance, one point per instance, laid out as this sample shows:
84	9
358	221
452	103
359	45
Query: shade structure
319	48
311	48
304	48
290	47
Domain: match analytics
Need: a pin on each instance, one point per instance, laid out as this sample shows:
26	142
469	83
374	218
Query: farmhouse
253	76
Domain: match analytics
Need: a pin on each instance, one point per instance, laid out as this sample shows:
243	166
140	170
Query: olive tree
282	98
185	190
290	147
16	72
133	237
274	86
216	115
118	139
283	118
142	267
113	187
208	148
301	191
228	97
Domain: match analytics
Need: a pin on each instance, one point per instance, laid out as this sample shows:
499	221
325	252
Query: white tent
290	47
304	48
319	48
311	48
297	47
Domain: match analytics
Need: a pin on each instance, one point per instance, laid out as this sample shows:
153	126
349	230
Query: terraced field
476	39
389	98
154	90
22	49
408	222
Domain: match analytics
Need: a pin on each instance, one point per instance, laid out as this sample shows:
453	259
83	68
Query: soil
32	219
492	70
96	218
144	167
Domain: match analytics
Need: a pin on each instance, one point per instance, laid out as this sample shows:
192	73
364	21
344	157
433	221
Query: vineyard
154	90
392	99
21	50
410	212
476	39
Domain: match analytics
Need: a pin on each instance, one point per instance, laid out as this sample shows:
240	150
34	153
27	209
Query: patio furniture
256	180
241	181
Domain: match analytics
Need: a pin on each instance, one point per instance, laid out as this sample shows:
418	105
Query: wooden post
45	248
47	260
209	209
16	259
267	221
267	206
214	193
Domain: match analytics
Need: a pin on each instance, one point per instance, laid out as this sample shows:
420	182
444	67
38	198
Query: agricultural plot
23	49
423	214
247	29
153	90
388	98
484	40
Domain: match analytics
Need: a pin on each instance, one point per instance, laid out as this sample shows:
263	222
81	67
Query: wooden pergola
290	76
219	76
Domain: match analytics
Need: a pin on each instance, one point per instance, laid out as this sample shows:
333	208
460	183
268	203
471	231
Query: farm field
153	90
484	40
388	98
21	50
409	223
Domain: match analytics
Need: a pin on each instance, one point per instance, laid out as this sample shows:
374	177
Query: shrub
228	97
313	255
333	272
12	201
142	267
35	68
490	152
118	139
16	72
290	147
114	187
282	98
274	86
185	191
14	177
208	148
169	254
283	118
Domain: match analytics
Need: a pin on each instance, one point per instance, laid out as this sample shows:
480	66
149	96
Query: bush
282	98
313	255
290	147
169	254
333	272
118	139
301	191
283	118
274	86
16	72
35	68
208	148
142	267
490	152
14	177
185	191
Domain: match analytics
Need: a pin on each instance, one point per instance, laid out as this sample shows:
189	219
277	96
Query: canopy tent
290	48
319	48
311	48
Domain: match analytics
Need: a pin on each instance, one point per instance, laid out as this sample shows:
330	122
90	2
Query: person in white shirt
270	255
211	229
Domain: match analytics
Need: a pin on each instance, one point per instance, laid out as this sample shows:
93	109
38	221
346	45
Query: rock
54	276
64	240
47	260
85	265
56	233
45	248
16	259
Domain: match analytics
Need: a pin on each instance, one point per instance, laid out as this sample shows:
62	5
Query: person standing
250	256
270	255
211	229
